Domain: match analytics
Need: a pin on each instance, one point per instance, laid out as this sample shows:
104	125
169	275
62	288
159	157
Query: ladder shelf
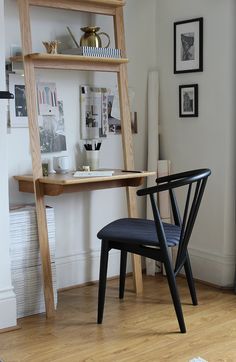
37	183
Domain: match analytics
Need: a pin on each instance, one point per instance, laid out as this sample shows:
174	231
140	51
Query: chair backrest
194	182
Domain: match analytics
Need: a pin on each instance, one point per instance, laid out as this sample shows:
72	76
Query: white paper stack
25	259
93	173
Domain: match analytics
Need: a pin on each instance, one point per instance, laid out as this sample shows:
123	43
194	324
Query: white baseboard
212	267
7	308
84	267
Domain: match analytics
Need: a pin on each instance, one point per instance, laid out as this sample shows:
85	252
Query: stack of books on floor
94	52
25	259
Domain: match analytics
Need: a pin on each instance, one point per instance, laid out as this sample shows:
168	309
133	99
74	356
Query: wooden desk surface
56	184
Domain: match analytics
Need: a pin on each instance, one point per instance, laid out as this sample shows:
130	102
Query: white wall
7	296
80	216
206	141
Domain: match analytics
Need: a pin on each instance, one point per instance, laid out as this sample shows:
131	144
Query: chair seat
138	231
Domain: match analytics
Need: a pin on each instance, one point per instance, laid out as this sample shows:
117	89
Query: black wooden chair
152	238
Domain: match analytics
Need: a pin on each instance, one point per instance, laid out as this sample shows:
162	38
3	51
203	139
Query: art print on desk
100	112
47	99
188	100
114	120
115	123
52	131
94	112
188	46
18	109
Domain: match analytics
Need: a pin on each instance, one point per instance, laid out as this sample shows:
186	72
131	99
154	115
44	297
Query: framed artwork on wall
188	100
188	46
18	110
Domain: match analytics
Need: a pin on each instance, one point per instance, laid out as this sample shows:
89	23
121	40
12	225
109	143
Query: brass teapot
91	38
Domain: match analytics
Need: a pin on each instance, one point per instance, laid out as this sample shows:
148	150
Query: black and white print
18	109
52	131
188	46
188	100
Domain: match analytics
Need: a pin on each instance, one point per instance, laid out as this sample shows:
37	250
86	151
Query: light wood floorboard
142	328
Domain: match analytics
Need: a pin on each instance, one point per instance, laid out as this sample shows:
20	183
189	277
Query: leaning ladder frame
92	6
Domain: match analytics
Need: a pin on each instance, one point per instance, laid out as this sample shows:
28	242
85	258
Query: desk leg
44	252
127	138
137	274
31	99
136	259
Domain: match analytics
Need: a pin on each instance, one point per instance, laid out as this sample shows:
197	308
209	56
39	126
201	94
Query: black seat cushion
138	231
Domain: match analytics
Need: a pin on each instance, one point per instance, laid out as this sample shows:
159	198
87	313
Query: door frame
7	295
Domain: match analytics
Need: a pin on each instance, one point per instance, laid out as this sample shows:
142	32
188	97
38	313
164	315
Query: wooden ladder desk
55	185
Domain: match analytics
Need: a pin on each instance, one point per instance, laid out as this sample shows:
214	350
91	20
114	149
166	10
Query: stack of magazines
94	52
26	263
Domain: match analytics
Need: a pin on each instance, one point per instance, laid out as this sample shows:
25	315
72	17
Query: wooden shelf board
54	185
72	62
106	7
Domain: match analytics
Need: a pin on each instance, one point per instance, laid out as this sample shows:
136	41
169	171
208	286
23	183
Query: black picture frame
188	46
188	100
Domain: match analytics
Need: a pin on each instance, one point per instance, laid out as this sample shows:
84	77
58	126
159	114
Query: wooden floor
135	329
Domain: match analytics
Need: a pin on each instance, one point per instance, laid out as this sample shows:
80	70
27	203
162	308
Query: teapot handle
109	40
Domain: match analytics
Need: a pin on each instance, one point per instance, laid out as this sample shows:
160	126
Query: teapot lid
89	29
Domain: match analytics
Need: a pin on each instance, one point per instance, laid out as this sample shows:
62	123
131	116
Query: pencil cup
92	159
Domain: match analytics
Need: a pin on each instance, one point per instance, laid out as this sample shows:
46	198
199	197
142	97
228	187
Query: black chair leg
102	280
189	276
123	262
175	294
